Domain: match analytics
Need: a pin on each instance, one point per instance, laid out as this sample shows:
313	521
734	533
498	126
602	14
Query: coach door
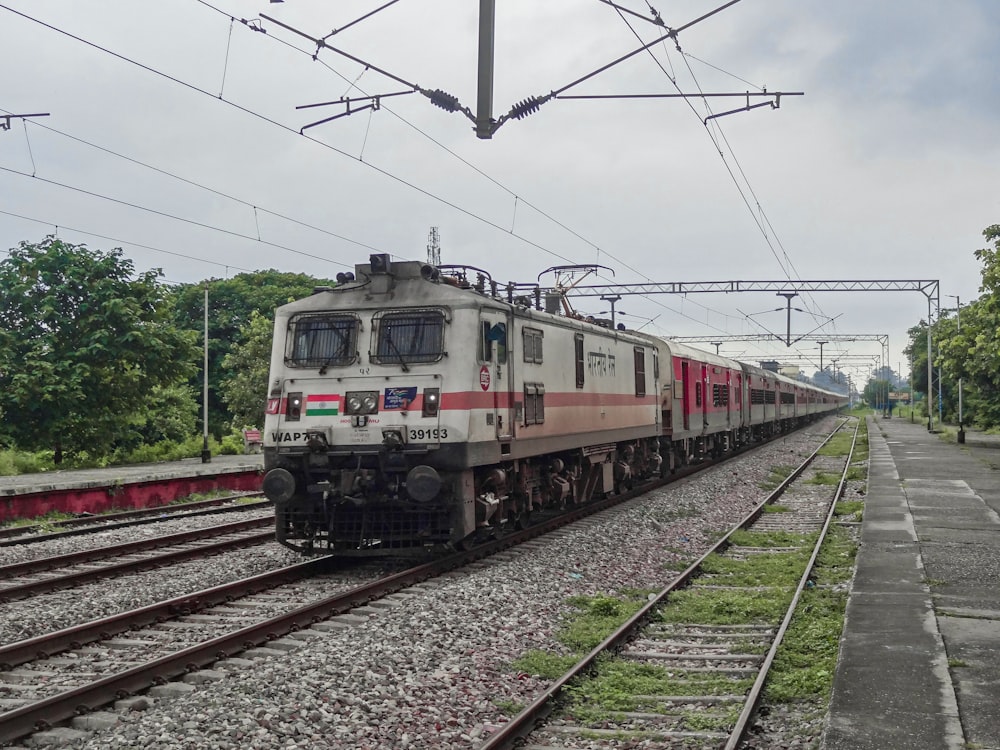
686	402
495	376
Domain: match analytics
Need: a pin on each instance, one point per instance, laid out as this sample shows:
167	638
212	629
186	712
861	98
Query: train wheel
517	520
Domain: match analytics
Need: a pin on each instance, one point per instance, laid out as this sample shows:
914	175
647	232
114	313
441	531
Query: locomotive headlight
432	401
361	402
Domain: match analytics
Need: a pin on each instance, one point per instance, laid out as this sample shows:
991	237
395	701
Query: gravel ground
61	609
65	545
434	671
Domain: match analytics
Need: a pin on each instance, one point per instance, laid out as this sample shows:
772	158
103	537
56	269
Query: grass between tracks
804	665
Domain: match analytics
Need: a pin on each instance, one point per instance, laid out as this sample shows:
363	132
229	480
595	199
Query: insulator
528	107
444	100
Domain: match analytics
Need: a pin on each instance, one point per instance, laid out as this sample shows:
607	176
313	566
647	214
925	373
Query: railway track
223	632
11	536
705	664
23	579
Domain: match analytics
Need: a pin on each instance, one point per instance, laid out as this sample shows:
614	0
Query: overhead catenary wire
520	237
754	214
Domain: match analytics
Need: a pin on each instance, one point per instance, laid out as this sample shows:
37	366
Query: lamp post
206	454
958	322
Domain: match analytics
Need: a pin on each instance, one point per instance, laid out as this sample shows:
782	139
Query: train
414	407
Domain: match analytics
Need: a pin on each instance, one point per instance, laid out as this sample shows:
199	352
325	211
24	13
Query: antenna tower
434	247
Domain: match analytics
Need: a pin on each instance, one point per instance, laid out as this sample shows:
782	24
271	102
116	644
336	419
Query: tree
231	304
972	353
84	341
244	389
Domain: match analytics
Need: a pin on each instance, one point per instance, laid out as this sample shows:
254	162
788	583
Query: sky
172	132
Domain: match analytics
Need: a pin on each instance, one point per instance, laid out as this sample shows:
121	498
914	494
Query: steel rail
522	724
128	548
55	583
75	636
11	536
757	690
50	711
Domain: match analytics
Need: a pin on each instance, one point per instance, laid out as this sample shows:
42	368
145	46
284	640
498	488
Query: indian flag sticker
323	405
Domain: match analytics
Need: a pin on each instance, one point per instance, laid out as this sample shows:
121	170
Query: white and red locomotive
410	409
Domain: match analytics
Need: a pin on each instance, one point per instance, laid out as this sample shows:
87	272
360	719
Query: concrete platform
919	665
134	486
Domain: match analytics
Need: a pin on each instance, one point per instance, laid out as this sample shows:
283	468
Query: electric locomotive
412	408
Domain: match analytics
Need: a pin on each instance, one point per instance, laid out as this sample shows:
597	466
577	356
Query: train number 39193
436	433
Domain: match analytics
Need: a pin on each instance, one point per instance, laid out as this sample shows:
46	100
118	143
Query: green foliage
770	538
232	303
804	666
720	607
13	462
776	569
545	664
618	682
968	348
824	478
244	388
84	340
838	445
598	617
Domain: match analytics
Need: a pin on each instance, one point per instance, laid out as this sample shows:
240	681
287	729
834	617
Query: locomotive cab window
493	341
322	340
532	340
409	337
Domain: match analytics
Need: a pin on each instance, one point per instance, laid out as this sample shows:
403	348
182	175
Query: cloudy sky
173	133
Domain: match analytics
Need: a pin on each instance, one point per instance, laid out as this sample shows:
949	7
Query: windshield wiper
392	345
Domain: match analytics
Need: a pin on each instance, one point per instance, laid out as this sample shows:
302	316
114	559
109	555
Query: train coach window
409	337
534	403
322	341
578	358
720	394
532	339
639	354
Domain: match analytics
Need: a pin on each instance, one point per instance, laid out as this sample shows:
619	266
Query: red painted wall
122	497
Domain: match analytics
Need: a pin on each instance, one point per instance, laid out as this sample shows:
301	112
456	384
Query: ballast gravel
435	670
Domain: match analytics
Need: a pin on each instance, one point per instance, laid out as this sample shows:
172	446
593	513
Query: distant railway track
38	576
11	536
689	650
225	630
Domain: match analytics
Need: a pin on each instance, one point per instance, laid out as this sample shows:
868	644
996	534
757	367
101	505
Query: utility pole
788	323
961	427
484	101
206	454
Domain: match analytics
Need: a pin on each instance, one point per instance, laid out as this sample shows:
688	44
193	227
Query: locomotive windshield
410	337
323	340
